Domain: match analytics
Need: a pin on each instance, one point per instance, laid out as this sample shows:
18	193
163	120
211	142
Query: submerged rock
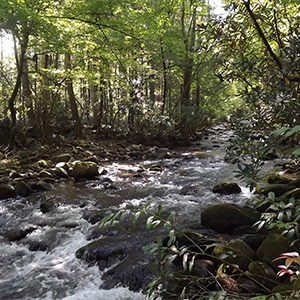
225	216
227	188
48	205
18	234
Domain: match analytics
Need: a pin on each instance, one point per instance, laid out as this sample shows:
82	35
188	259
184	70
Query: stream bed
43	264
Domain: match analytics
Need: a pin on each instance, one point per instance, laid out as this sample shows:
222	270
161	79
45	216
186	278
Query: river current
184	186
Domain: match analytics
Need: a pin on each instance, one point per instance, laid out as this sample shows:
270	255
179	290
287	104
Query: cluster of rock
40	175
248	252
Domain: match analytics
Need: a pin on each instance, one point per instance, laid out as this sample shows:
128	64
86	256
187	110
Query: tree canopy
148	68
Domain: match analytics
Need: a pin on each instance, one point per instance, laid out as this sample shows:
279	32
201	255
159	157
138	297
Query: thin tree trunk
72	100
12	99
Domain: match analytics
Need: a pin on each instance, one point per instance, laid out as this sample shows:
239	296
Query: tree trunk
12	99
72	100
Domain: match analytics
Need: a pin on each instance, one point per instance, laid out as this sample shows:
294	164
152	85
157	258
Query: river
43	264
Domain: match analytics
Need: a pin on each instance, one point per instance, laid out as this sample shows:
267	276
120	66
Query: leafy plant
280	216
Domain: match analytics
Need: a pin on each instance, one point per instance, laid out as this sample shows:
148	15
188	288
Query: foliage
280	216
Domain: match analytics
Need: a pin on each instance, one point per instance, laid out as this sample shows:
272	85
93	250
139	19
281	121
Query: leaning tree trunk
72	100
12	99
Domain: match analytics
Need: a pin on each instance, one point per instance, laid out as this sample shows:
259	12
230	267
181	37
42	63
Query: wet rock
263	273
36	245
134	272
227	188
65	157
18	234
6	191
192	190
235	252
225	216
40	186
93	216
109	186
48	205
272	247
277	189
23	189
106	251
84	169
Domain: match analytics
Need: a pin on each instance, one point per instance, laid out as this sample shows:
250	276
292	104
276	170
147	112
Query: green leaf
135	218
149	222
106	219
292	131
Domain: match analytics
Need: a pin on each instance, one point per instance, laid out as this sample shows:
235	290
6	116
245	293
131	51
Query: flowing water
43	264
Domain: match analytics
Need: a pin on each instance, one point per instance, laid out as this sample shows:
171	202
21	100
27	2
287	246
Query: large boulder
235	252
226	217
106	251
272	247
227	188
6	191
84	169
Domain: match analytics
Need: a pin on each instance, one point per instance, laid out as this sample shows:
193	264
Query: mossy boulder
84	169
235	252
277	178
6	191
277	188
263	273
23	189
272	247
227	188
225	216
